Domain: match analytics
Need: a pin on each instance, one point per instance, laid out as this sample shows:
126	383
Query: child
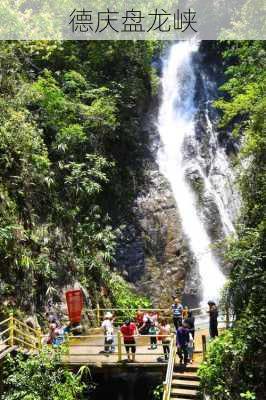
190	348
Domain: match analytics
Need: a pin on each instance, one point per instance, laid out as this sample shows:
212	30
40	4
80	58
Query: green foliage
40	378
123	296
70	114
158	392
235	367
228	371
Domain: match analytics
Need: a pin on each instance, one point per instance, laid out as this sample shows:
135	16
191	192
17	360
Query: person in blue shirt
177	311
182	341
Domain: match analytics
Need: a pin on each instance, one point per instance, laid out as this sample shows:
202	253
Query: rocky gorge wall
153	252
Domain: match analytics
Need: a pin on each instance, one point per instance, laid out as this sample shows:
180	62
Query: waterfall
176	127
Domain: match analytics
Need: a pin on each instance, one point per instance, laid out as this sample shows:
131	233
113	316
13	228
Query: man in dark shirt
182	340
213	312
190	321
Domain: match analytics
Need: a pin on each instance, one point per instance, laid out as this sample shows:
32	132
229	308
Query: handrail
5	321
28	338
17	321
169	372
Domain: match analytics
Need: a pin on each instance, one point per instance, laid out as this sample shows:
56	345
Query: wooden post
119	346
204	346
165	391
98	319
11	330
39	338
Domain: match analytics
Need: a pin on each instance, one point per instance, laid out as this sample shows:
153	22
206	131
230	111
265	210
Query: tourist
185	312
190	348
190	321
139	318
128	330
146	324
182	340
153	317
213	313
108	328
177	310
164	336
53	332
149	327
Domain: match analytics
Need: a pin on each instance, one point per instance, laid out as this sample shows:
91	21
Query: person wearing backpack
177	312
146	324
153	318
108	328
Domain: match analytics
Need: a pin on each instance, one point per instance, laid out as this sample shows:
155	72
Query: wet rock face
153	252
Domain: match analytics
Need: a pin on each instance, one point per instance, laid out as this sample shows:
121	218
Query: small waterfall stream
176	127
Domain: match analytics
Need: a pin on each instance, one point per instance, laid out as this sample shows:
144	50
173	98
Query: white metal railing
167	384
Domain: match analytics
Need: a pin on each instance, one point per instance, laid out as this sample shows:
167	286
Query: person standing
182	341
128	330
153	316
108	328
190	321
213	313
185	312
164	336
190	348
139	318
177	312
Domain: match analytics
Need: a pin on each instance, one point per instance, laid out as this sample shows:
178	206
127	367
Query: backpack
152	330
109	336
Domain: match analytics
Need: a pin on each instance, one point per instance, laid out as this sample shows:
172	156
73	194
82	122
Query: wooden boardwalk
89	351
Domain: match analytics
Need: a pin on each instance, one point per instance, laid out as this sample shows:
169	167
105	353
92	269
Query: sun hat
108	315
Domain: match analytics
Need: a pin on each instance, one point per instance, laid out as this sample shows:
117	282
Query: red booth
74	300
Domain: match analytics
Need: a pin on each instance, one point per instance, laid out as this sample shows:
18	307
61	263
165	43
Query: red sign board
74	300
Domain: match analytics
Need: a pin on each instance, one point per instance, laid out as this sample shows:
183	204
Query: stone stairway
185	383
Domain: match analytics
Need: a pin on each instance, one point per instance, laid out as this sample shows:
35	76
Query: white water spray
176	124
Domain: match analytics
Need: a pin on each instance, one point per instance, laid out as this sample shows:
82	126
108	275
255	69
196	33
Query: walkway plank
7	350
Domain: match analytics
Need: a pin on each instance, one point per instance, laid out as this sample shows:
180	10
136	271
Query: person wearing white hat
108	328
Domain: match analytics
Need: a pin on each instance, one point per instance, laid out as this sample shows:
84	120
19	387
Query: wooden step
185	383
188	368
185	393
186	375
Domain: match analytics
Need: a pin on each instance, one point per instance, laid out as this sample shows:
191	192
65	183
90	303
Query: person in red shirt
128	330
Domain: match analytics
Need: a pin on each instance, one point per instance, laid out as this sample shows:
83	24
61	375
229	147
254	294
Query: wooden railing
120	314
16	333
169	372
92	349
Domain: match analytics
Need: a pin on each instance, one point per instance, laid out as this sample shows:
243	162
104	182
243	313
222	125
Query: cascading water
176	127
